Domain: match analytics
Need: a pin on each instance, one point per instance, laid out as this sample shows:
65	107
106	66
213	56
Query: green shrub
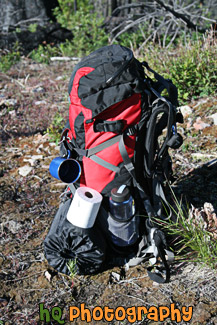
9	58
88	35
43	53
66	48
194	71
65	12
191	67
55	128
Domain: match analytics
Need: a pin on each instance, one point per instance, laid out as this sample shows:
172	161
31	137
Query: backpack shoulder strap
167	84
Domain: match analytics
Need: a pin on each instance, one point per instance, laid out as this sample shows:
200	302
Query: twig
189	23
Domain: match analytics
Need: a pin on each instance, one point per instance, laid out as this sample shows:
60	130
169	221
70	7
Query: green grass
190	240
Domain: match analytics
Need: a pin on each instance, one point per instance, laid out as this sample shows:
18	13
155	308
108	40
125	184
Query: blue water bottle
122	221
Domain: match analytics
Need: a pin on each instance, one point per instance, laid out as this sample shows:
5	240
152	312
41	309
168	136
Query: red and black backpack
116	116
120	128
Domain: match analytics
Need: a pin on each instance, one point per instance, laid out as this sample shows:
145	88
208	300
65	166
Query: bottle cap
120	196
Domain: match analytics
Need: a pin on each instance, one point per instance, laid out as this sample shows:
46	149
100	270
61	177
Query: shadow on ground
199	185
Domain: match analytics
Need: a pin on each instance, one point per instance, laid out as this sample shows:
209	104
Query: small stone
52	144
38	89
116	276
185	110
12	113
9	102
25	170
40	102
214	117
13	226
200	125
33	159
47	276
201	314
189	123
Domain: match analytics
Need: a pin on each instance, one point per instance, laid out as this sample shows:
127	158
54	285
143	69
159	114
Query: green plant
32	28
86	27
191	240
18	30
65	11
66	48
43	53
55	128
72	267
9	58
192	67
195	71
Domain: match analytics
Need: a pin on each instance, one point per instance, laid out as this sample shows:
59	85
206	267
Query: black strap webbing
127	162
153	131
109	126
158	275
171	88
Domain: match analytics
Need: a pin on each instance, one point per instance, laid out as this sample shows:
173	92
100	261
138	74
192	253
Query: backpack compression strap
171	88
154	245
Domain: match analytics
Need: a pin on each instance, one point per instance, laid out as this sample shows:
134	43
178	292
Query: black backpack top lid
116	76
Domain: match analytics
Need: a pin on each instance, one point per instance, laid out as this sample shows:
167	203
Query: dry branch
160	21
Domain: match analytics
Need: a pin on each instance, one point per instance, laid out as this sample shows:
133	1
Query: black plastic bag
66	242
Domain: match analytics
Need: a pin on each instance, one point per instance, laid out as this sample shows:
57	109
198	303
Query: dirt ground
30	95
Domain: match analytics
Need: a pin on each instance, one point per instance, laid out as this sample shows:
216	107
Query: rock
52	144
25	170
38	89
185	110
200	125
12	113
33	160
40	102
8	102
47	275
13	226
189	123
214	117
201	314
58	58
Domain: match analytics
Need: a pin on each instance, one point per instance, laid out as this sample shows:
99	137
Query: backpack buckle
131	130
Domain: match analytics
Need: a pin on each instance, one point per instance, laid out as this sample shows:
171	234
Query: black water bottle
122	221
